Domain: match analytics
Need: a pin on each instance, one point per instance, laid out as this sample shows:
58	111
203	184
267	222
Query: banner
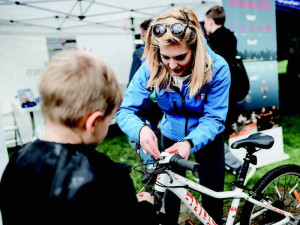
254	25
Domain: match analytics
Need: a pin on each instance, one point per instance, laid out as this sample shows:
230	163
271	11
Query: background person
63	179
151	111
191	84
223	42
138	53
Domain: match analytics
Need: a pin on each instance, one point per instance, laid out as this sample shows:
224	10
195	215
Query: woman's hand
183	149
145	196
148	141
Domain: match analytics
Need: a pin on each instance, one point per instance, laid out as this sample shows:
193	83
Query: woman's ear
91	120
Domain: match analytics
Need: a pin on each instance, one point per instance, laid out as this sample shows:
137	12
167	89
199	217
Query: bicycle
273	200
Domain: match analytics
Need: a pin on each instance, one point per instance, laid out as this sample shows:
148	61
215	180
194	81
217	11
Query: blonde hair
76	83
194	39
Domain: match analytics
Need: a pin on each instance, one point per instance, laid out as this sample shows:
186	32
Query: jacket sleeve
133	212
135	96
147	213
215	109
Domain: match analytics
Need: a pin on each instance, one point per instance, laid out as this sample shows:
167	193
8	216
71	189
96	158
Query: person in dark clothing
63	179
138	53
223	42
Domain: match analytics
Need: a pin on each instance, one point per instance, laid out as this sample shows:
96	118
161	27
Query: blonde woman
191	84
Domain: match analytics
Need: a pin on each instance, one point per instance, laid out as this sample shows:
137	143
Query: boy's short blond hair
76	83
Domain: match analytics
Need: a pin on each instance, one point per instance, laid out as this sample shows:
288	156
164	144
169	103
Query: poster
58	44
254	25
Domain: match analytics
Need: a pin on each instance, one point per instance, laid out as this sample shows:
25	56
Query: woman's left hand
183	149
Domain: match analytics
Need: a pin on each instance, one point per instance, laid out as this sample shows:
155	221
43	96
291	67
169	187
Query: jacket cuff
189	141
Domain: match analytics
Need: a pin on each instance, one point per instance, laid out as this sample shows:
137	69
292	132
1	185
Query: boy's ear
91	121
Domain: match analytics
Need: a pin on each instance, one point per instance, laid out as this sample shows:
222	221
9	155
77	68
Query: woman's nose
172	64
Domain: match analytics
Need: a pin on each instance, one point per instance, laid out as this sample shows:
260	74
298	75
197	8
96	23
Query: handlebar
172	160
175	160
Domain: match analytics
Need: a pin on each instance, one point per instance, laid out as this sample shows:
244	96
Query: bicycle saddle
257	140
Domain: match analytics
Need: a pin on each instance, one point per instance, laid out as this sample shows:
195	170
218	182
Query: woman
191	84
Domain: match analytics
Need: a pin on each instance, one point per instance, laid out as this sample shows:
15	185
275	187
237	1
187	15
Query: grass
282	66
117	147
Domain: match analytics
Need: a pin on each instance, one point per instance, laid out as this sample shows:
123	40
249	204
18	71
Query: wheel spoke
293	188
277	192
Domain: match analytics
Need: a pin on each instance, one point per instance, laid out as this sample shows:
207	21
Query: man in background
137	54
223	41
219	38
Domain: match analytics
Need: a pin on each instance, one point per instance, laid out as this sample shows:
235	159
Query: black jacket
51	183
224	43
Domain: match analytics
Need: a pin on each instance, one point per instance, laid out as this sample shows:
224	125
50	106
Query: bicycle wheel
277	187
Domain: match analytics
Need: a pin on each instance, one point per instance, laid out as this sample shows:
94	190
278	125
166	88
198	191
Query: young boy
63	179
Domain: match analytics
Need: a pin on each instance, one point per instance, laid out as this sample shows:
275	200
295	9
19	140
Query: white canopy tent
107	28
87	16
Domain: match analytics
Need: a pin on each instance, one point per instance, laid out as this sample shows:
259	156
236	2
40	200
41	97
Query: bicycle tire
274	186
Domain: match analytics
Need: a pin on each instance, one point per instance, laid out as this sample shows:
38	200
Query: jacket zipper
186	118
183	109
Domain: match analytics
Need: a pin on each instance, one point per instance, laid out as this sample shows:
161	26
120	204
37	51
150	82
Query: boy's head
75	85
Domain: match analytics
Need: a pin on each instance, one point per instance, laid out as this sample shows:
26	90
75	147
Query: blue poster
263	85
254	25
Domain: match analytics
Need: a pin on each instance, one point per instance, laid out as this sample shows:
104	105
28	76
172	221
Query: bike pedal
189	222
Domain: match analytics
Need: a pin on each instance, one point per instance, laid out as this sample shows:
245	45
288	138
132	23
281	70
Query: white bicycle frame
171	181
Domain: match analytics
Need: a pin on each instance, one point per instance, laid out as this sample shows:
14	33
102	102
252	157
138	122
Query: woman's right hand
148	141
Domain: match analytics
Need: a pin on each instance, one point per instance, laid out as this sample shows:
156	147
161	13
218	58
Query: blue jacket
200	118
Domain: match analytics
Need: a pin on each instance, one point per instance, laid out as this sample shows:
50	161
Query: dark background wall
288	48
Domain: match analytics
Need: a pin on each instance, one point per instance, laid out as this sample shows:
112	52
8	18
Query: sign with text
254	25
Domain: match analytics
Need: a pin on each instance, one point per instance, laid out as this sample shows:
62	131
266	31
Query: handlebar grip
177	160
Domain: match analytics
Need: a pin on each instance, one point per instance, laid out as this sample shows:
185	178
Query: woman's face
177	57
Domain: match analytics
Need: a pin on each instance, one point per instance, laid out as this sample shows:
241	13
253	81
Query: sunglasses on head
177	29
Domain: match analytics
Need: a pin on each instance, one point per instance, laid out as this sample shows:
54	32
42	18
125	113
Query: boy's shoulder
51	153
64	163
